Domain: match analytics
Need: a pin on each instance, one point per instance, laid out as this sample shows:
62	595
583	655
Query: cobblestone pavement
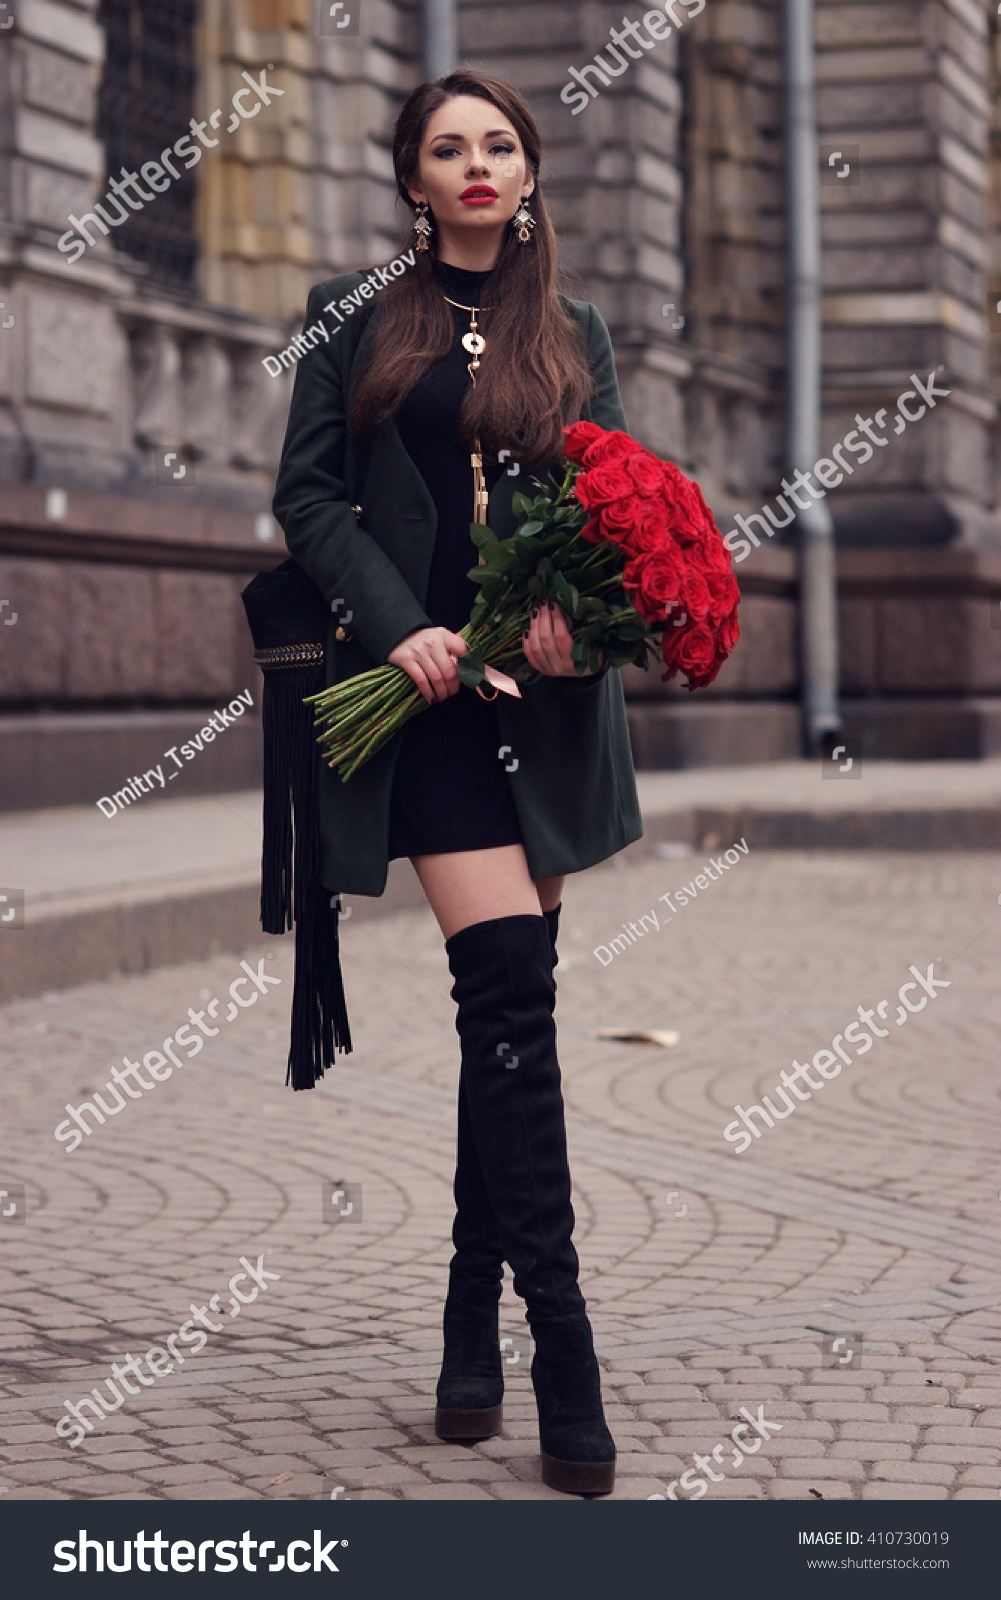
713	1278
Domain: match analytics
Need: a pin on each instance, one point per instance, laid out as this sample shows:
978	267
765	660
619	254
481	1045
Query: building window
146	102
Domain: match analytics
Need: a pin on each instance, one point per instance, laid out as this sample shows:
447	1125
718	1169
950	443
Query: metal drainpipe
818	597
441	38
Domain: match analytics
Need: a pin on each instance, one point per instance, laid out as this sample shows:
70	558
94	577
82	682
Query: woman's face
472	170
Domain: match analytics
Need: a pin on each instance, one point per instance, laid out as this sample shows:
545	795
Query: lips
478	194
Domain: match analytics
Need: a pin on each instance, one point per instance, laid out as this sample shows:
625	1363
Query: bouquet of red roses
677	571
626	545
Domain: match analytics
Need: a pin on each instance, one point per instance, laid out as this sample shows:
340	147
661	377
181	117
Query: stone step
177	879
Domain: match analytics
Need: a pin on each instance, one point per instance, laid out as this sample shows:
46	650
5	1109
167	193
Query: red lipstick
478	194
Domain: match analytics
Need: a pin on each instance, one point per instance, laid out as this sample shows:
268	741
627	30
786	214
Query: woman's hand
428	657
547	644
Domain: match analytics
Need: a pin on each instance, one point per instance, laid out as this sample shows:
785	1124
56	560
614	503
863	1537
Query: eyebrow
457	138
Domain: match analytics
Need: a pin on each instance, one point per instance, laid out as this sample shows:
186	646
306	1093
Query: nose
478	163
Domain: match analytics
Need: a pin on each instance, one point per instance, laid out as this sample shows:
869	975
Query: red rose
695	596
646	472
654	579
689	516
577	438
702	680
591	531
714	552
582	492
700	509
696	651
651	531
604	485
715	556
669	645
729	632
612	446
619	520
670	638
697	496
724	593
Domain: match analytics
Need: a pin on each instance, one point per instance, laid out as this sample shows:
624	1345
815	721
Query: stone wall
668	192
904	263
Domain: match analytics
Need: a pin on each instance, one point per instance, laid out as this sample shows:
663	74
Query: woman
470	355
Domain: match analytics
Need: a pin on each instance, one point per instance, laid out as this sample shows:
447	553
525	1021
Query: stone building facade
668	192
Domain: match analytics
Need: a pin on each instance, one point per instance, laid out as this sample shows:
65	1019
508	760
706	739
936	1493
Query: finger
451	683
529	650
419	678
445	665
432	674
563	639
538	644
438	684
455	643
561	629
556	630
547	648
445	656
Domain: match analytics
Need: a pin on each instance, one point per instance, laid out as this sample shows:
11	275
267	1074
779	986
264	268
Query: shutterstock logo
72	1554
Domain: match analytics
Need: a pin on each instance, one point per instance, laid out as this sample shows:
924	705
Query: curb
85	939
766	828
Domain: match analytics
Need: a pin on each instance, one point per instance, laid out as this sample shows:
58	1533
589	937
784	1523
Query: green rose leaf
471	669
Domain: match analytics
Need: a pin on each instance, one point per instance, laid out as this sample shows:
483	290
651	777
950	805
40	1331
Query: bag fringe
291	891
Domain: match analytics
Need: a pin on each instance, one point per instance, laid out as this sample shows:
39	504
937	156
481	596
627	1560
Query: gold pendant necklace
473	341
475	344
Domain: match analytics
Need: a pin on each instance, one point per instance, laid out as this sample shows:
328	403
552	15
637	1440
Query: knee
550	892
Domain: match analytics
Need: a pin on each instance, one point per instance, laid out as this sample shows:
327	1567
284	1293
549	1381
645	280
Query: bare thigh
470	886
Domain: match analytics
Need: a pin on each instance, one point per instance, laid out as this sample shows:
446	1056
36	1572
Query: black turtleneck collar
458	283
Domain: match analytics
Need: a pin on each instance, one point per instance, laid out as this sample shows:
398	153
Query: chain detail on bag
289	655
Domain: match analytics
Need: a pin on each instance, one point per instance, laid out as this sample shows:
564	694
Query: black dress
450	790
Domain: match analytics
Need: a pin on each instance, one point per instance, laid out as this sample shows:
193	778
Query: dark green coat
574	787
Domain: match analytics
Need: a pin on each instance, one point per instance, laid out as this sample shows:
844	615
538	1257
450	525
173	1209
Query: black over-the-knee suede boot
505	993
553	925
471	1385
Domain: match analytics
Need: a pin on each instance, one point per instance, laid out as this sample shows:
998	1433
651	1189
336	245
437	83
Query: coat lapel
388	455
386	459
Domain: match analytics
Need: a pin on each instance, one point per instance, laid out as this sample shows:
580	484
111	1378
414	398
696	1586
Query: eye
499	150
446	150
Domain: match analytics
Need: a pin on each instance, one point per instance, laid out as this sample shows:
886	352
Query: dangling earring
422	226
523	221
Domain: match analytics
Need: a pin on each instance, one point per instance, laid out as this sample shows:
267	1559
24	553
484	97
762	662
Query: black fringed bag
289	620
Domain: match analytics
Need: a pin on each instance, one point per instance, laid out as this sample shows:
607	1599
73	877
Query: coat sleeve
311	506
604	408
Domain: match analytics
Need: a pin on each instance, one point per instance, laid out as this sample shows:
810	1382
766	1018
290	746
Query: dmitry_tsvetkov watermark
135	787
304	342
606	953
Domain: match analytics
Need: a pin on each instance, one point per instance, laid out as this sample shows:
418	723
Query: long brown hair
535	374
